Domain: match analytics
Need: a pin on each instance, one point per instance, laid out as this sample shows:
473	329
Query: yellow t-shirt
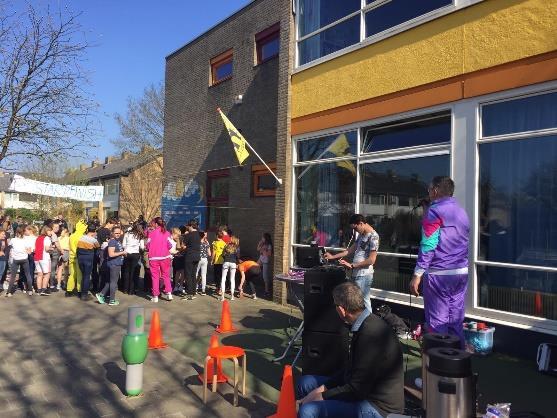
218	247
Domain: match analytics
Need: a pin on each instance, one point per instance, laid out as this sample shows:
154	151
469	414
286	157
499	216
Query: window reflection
338	145
390	191
330	40
520	115
420	132
325	199
315	14
518	201
393	273
524	292
395	12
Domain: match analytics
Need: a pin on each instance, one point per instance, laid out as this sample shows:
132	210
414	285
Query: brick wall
194	139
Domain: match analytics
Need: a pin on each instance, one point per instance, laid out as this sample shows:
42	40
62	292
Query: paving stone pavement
60	357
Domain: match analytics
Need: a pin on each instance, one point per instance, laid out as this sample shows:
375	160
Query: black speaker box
319	309
324	353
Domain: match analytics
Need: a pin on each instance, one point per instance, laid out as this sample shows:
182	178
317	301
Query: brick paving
60	357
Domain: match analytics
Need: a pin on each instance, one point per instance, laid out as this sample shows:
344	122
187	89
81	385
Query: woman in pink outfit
160	247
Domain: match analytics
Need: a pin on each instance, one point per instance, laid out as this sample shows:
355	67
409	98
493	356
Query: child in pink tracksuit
160	246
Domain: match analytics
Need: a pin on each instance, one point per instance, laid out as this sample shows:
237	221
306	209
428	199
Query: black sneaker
86	298
68	294
44	293
53	289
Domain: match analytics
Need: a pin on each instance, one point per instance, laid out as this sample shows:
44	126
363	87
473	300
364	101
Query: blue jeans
85	263
330	408
364	283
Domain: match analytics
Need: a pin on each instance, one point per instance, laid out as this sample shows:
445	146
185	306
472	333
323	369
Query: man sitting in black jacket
372	384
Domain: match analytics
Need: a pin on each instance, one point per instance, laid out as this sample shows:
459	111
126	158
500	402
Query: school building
386	95
241	65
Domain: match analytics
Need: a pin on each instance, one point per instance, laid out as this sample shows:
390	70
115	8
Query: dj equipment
325	336
547	358
308	257
319	308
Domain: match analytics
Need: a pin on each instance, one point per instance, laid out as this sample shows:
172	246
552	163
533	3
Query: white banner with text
84	193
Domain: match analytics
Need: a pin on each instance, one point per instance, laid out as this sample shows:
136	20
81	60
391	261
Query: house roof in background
119	167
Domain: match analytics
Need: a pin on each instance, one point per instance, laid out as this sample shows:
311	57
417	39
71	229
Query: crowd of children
99	260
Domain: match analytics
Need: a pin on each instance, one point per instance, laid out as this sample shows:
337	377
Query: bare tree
141	191
143	123
43	106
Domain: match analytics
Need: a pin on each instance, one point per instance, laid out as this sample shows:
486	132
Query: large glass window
347	22
518	208
337	145
389	195
314	14
330	40
521	115
392	13
429	131
325	199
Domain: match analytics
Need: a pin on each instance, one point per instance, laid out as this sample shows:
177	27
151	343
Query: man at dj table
364	252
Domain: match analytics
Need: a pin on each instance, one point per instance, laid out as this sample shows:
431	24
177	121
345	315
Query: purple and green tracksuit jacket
443	261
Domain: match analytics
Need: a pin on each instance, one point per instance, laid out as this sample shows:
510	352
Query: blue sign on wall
183	201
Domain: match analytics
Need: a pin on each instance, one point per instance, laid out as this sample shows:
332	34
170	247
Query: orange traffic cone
155	333
287	401
538	310
225	320
221	377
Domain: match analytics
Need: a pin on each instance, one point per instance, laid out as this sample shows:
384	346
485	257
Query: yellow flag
339	148
238	140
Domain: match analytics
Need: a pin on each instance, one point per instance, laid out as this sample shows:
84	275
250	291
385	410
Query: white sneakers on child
155	299
166	296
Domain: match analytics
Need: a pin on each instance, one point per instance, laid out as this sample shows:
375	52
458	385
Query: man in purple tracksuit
443	260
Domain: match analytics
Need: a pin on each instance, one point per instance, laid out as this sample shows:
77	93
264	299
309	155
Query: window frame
464	160
213	202
404	26
263	38
216	62
257	171
520	320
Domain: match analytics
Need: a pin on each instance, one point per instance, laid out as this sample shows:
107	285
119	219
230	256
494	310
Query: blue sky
132	39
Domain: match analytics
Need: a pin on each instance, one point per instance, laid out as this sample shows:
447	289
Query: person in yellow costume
74	279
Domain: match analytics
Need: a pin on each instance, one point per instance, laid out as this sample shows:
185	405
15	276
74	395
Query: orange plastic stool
221	353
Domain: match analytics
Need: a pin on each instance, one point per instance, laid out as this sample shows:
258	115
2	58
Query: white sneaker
166	296
155	299
254	297
232	298
222	298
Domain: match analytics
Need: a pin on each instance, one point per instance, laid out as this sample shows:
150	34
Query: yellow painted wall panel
520	30
484	35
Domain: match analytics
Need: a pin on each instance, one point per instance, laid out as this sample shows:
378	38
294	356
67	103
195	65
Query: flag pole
251	148
264	163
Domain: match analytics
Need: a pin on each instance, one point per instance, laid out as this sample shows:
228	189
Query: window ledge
258	64
218	83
